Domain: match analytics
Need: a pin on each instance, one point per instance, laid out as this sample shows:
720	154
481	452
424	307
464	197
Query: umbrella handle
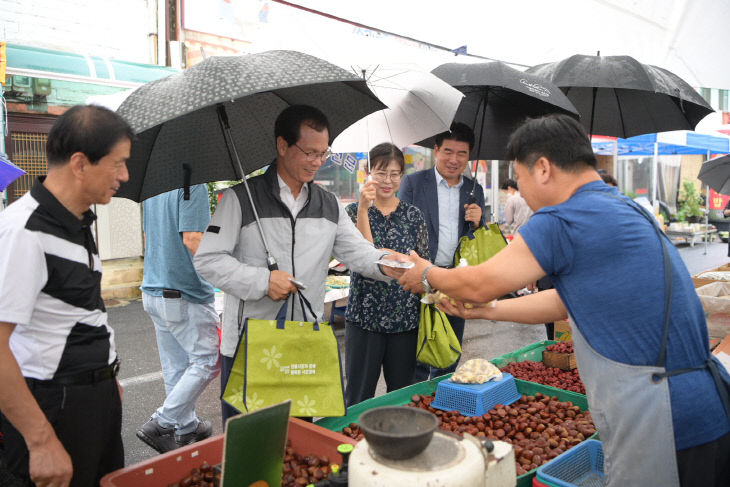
233	154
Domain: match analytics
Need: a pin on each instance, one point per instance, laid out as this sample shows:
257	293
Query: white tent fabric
687	37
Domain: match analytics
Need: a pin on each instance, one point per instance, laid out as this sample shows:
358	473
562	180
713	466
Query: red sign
718	201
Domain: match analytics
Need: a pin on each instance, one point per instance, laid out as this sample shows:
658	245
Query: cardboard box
564	361
562	331
306	438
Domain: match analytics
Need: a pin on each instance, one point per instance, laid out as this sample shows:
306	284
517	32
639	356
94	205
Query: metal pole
707	207
495	191
223	117
654	167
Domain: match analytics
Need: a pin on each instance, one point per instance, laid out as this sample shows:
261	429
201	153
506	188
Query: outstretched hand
410	279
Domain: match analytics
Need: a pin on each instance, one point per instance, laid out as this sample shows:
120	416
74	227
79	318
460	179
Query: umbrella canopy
9	172
176	118
497	99
419	106
715	173
621	97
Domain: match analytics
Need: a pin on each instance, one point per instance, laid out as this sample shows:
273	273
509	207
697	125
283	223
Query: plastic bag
476	371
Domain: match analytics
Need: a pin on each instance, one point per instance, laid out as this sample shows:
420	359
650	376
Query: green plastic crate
403	396
531	352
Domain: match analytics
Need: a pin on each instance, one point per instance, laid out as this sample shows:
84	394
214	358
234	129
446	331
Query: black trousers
705	465
367	351
425	371
87	420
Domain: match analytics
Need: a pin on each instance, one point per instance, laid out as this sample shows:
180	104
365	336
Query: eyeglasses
311	156
382	177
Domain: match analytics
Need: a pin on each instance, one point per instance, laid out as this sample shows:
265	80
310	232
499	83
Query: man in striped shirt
60	399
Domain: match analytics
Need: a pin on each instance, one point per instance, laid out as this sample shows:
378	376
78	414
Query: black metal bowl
398	432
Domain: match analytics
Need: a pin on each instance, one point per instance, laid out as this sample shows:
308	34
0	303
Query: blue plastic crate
475	399
581	466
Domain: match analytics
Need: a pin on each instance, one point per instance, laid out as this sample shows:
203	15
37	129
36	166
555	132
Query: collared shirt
448	201
295	205
50	287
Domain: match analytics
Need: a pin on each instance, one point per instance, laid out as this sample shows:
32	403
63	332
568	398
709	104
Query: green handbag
437	343
486	241
277	360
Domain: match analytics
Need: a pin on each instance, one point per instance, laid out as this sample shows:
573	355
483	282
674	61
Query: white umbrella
419	105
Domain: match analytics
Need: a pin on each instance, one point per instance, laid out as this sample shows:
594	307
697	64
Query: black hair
608	179
509	183
289	122
559	138
90	129
459	132
382	154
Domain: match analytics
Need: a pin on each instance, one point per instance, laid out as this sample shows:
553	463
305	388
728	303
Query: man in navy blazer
444	197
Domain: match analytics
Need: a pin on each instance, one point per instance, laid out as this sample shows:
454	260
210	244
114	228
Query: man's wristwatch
424	280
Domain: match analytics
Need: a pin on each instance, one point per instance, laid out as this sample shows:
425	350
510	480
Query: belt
83	378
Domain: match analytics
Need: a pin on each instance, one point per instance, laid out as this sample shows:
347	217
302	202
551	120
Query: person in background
516	211
180	304
659	399
60	400
608	179
381	328
306	225
443	195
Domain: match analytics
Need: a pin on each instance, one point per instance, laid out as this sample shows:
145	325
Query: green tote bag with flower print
482	245
279	360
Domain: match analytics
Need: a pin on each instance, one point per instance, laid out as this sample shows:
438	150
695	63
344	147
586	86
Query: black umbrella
621	97
189	125
179	119
715	173
497	99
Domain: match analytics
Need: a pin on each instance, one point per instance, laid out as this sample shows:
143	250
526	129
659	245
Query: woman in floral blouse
381	328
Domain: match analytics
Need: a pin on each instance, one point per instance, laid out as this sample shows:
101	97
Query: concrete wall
109	28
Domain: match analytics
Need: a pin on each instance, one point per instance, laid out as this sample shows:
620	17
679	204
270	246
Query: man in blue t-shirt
180	304
658	398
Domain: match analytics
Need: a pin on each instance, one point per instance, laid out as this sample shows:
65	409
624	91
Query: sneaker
201	432
159	438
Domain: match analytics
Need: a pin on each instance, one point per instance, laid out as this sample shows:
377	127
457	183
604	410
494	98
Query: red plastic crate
306	438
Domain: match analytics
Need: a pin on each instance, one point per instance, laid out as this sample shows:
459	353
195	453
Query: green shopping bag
486	241
437	343
277	360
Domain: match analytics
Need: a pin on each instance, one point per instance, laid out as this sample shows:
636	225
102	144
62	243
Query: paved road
144	390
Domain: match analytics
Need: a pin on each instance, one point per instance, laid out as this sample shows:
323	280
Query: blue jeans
187	339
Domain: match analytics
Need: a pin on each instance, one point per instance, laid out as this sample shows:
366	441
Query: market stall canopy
686	37
35	62
668	143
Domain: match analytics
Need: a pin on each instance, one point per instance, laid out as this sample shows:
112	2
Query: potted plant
689	203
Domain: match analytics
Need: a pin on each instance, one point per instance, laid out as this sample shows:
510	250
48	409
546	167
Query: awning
67	66
679	142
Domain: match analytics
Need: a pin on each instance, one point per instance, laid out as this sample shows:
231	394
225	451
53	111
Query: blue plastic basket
475	399
581	466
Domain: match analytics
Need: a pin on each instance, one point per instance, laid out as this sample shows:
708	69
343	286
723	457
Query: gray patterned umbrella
176	119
